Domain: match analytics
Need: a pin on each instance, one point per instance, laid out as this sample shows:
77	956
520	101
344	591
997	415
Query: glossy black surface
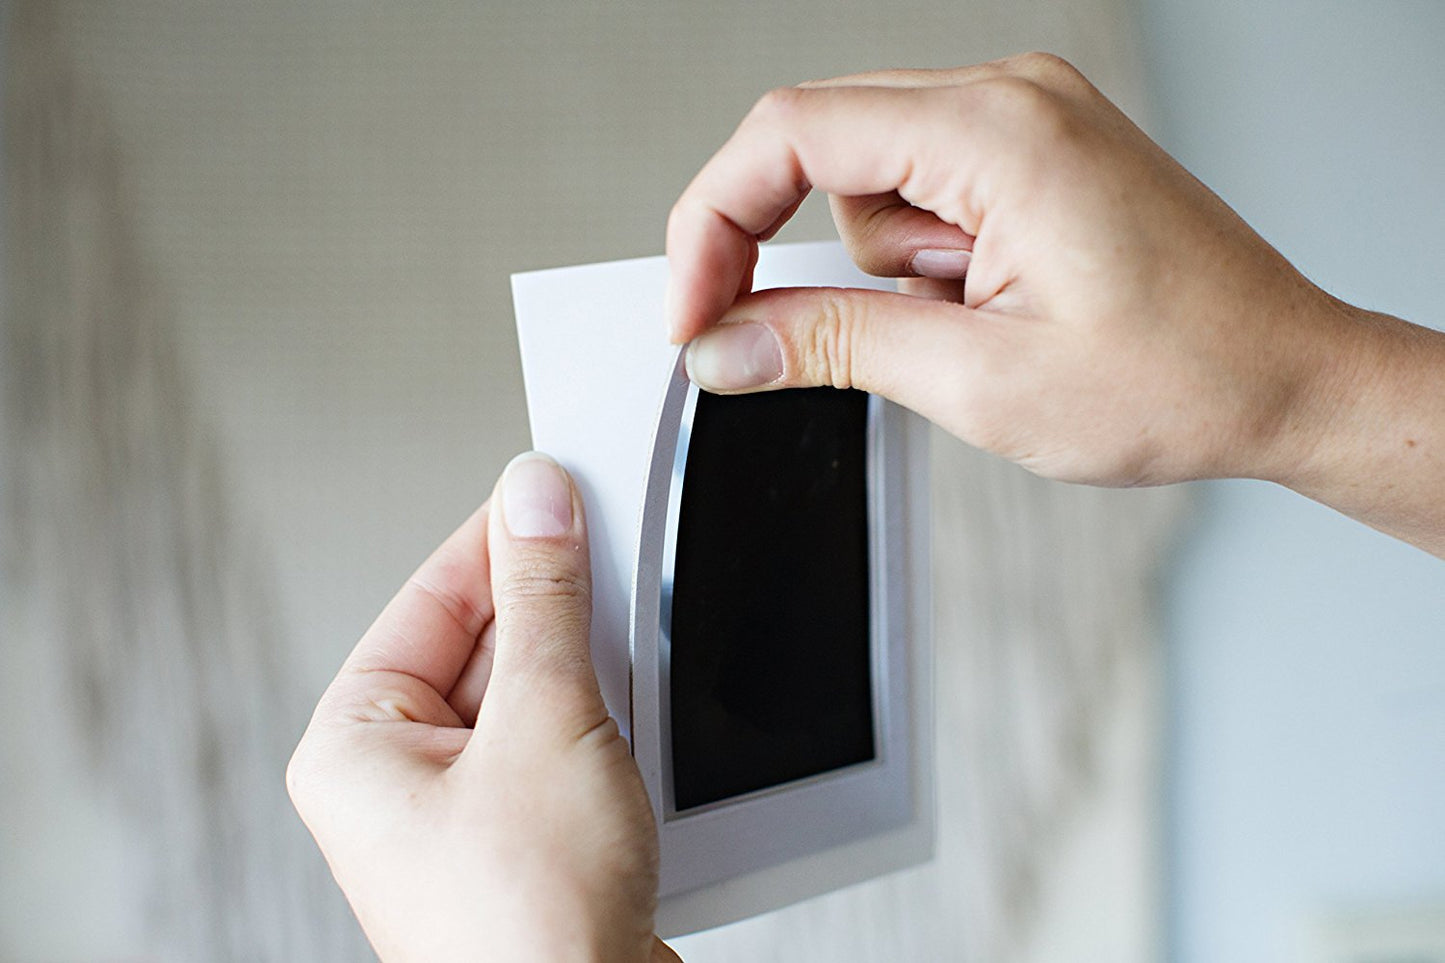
769	675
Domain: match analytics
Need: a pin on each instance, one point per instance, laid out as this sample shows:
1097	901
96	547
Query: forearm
1370	441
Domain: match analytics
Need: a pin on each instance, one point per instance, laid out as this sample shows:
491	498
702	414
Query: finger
466	696
778	222
843	140
416	649
912	77
662	953
934	289
930	135
542	673
928	355
1039	67
888	237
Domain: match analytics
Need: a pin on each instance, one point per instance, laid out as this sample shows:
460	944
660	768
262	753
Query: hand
1096	314
461	774
1082	305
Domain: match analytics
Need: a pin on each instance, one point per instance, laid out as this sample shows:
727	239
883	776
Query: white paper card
599	372
596	362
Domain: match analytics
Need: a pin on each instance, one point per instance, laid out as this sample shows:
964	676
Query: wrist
579	926
1322	374
1365	431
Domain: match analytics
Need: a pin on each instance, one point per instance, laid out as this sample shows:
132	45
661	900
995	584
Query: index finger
428	631
848	140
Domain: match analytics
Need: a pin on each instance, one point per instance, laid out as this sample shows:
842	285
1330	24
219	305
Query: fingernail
941	264
735	356
536	497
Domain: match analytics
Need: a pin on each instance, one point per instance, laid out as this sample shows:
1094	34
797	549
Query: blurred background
257	358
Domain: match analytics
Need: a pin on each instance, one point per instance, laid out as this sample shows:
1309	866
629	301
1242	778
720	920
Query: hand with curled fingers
461	774
1070	297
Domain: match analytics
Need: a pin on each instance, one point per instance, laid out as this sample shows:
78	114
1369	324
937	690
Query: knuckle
830	345
1047	68
1024	106
684	207
533	579
683	219
298	777
1022	97
775	106
601	733
462	610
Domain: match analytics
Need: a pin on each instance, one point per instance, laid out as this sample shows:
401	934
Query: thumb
923	353
542	671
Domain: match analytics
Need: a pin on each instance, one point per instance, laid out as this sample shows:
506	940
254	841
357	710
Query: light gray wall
261	359
1308	653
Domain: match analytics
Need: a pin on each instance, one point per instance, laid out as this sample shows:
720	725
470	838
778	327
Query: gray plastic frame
767	848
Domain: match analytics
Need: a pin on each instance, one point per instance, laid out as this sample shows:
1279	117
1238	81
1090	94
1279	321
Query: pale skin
462	776
1071	299
1115	323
